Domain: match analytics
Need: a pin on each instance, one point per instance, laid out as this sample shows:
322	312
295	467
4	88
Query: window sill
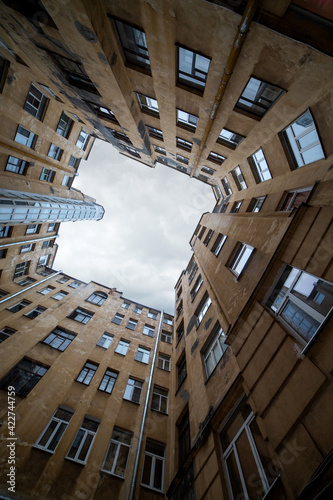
160	412
149	488
130	401
49	452
108	473
76	461
163	369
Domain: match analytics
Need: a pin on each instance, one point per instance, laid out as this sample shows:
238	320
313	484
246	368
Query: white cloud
142	243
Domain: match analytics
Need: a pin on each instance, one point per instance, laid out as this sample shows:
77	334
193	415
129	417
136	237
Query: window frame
133	390
154	458
263	86
107	337
161	395
109	379
145	351
123	345
35	312
230	142
208	350
58	431
30	140
132	50
257	170
147	105
119	444
86	433
236	257
202	309
255	203
185	78
47	175
239	179
87	373
186	124
64	126
30	103
57	335
165	360
116	317
20	167
14	376
79	311
97	298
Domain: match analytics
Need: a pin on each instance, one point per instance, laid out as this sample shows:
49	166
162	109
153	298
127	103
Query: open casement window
59	339
301	140
97	298
148	104
115	461
153	465
55	429
302	301
16	165
36	103
203	308
240	258
214	349
83	441
192	69
64	126
5	333
239	178
186	120
24	376
230	139
134	44
218	244
81	315
258	97
295	198
133	390
256	204
246	457
55	152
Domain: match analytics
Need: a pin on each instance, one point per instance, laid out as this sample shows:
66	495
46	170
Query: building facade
231	399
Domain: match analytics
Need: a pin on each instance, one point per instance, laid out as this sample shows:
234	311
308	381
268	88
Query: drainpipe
239	40
30	286
136	463
24	242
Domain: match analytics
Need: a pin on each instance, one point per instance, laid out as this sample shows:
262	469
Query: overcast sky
142	244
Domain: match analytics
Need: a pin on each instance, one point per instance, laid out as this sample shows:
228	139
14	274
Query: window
187	120
239	178
42	261
208	170
81	315
21	269
184	439
97	298
131	324
153	465
25	281
75	284
5	231
236	206
192	69
302	301
196	287
35	312
152	314
138	310
63	279
24	377
108	381
55	429
202	232
55	152
148	104
203	308
4	65
179	309
115	461
25	137
155	132
131	151
183	144
86	374
258	97
182	159
32	229
259	166
52	227
35	103
226	186
246	457
216	158
224	208
208	237
47	175
5	333
59	295
240	258
159	150
166	337
192	271
167	320
159	400
3	253
302	142
83	441
180	331
125	305
218	244
74	73
163	362
117	319
74	162
142	355
230	139
133	390
213	351
66	180
122	347
105	340
64	125
47	243
46	290
16	165
28	247
294	198
120	136
148	330
59	339
133	41
181	370
256	204
82	140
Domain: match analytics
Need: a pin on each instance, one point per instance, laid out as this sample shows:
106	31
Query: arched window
97	298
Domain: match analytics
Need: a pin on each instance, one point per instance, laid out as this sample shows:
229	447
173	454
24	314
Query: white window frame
59	295
105	340
216	341
226	186
118	444
59	335
61	426
145	355
97	298
239	178
218	244
138	310
132	324
81	315
260	166
159	395
86	433
166	337
187	120
46	290
152	315
164	361
131	391
109	379
154	458
203	308
87	373
196	287
236	263
117	317
167	320
122	347
25	137
148	330
35	312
